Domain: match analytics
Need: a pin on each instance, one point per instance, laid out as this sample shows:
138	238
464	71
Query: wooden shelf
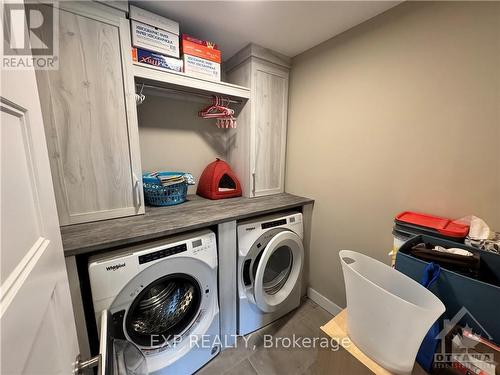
158	77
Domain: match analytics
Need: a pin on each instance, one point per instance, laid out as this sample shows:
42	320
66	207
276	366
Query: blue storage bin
155	194
480	298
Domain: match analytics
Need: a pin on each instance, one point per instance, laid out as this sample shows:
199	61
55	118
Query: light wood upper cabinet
256	149
271	95
90	117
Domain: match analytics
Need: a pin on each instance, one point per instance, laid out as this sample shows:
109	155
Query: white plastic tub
389	314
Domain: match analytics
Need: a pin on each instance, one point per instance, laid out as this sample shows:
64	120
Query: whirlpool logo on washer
115	267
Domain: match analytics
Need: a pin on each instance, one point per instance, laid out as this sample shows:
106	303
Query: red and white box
200	50
205	43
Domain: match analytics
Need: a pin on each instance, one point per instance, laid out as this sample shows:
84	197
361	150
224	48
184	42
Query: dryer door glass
165	308
277	271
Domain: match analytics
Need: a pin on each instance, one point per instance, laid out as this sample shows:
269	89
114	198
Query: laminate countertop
157	222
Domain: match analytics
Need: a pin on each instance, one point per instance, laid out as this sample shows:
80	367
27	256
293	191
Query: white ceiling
289	27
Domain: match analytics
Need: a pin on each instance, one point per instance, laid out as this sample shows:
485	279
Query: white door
38	334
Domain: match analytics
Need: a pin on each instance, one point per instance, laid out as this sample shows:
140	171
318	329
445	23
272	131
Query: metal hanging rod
184	92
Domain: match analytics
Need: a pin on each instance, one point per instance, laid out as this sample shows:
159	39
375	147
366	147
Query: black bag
463	264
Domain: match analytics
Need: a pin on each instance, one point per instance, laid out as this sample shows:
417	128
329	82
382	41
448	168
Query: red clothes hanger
220	111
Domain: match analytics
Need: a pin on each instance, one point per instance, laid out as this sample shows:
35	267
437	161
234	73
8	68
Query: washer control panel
162	253
201	245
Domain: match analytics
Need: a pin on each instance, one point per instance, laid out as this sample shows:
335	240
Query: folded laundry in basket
173	179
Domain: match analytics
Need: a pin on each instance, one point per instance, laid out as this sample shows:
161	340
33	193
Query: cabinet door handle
253	184
137	191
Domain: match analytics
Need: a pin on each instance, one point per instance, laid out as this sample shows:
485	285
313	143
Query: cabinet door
238	140
269	140
90	121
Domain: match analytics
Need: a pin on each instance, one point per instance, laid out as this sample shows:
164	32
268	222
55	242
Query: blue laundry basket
155	194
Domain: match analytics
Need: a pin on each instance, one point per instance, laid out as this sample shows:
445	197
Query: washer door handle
267	302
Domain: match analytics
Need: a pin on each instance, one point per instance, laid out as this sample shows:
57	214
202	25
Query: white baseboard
324	302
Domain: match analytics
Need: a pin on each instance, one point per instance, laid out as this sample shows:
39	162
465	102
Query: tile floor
257	359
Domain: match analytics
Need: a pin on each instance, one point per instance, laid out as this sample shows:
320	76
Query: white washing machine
270	261
163	297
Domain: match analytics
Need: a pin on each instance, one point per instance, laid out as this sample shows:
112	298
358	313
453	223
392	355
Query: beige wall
174	138
399	113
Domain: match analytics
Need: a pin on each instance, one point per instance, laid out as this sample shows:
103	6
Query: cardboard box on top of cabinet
205	43
156	59
201	68
153	32
153	19
154	39
196	48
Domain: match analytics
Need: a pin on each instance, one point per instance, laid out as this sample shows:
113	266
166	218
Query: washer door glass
165	308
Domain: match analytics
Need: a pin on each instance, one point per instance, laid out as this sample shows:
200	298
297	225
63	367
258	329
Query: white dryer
162	296
269	270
